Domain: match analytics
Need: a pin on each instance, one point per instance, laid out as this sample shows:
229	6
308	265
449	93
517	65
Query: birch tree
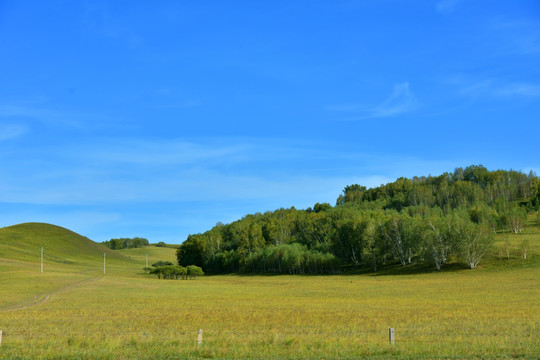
437	240
517	217
402	236
471	240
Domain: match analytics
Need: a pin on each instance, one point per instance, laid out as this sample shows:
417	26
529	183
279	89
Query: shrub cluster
177	272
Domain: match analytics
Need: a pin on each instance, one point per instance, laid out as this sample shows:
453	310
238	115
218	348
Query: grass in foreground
469	314
490	312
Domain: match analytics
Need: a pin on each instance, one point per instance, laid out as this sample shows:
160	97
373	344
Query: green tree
116	244
373	242
158	271
180	271
401	234
517	217
192	251
471	240
348	242
351	193
194	271
250	240
438	240
162	263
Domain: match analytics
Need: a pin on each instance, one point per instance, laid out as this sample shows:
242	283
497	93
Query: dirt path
40	299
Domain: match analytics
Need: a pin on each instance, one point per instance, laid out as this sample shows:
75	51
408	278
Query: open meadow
74	311
269	180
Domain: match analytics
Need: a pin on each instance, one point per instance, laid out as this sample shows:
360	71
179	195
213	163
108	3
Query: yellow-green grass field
73	311
154	253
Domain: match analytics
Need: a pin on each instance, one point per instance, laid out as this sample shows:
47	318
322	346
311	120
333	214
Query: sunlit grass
154	253
489	312
470	313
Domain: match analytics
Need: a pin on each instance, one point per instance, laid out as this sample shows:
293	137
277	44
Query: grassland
491	312
154	254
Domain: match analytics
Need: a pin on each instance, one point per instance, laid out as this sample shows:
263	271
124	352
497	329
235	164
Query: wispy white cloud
123	185
401	101
148	152
78	186
494	88
144	171
518	89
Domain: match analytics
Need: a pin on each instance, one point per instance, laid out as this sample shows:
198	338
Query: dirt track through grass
40	299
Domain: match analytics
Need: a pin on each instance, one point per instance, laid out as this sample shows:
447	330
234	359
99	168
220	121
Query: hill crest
23	242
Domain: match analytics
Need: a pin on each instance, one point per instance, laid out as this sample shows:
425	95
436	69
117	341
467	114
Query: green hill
64	250
69	260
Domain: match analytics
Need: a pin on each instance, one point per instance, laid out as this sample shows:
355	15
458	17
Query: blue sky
160	119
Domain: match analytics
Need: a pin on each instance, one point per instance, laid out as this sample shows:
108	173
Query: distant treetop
125	243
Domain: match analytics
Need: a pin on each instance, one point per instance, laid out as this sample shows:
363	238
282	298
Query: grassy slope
154	254
489	312
497	258
68	258
61	246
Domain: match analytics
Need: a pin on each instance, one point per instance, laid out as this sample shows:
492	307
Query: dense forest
424	219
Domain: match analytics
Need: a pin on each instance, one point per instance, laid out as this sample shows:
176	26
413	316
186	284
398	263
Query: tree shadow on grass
392	269
409	269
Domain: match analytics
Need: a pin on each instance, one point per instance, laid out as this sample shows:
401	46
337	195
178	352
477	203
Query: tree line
423	219
125	243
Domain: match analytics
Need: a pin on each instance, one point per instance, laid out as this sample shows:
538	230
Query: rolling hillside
69	260
64	250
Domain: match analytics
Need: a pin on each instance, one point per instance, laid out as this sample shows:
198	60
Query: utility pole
42	259
104	263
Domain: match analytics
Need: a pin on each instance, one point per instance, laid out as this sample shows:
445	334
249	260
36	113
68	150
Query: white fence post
391	336
199	338
0	337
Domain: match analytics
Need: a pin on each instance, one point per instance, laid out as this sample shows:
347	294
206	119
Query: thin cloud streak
187	171
517	89
493	88
400	102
